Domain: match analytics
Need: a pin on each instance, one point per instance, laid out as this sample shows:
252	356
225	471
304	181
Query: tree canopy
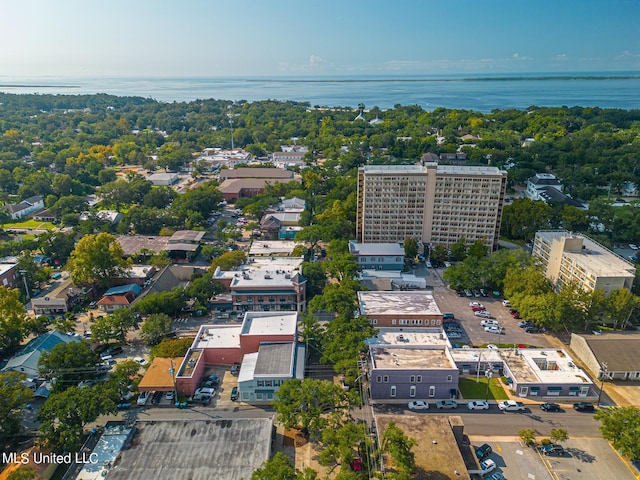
97	259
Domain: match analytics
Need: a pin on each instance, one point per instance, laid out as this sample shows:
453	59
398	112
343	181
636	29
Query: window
449	378
412	391
432	391
393	322
554	391
412	379
392	393
385	378
378	379
267	383
261	383
419	378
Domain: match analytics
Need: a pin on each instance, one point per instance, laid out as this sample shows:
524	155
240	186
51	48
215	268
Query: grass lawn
470	390
31	223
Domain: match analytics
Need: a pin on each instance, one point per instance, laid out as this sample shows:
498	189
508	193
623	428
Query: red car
478	309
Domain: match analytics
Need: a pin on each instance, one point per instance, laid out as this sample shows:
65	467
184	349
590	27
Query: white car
476	304
487	466
140	360
483	314
478	405
506	303
494	329
418	405
511	406
143	398
169	396
489	323
428	264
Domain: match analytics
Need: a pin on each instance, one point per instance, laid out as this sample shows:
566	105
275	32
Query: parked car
494	329
169	395
476	304
235	369
155	399
468	293
496	476
460	293
483	314
525	324
489	323
446	404
448	316
533	330
550	407
234	393
123	406
205	391
484	293
583	407
428	264
418	405
487	466
140	360
483	451
478	405
552	449
506	303
452	334
511	406
476	293
477	309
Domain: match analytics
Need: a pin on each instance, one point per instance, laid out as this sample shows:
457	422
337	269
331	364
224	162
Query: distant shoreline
21	85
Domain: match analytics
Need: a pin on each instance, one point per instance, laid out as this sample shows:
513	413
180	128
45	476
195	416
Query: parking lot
584	459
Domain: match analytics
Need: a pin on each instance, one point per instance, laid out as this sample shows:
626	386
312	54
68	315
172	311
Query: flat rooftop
468	170
424	337
109	446
218	336
272	247
268	271
545	365
397	303
411	358
269	323
132	244
382	249
593	257
196	449
437	454
157	376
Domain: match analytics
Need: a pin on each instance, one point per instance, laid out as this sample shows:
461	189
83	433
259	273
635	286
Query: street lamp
603	373
489	374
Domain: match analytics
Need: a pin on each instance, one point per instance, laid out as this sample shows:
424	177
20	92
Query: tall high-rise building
437	204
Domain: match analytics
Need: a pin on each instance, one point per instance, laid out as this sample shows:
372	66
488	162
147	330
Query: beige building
567	257
436	204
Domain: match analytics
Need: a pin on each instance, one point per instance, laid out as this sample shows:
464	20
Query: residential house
62	299
26	359
25	207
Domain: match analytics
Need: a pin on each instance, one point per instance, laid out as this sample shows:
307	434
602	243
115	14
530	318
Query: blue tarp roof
122	289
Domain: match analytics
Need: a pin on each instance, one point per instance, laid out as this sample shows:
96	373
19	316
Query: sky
245	38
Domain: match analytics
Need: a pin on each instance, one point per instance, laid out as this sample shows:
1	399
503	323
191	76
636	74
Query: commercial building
9	275
400	309
567	257
266	284
436	204
378	256
616	356
163	179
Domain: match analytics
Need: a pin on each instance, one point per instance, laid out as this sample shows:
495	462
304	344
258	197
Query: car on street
511	406
494	329
552	449
550	407
483	451
478	405
418	405
234	393
483	314
584	407
446	404
487	466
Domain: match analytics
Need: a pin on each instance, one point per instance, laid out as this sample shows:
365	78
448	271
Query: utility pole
603	373
26	287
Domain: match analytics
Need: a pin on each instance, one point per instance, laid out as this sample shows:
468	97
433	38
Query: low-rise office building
400	309
378	256
568	257
614	356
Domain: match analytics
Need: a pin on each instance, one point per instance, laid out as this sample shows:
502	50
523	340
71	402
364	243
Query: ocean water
480	93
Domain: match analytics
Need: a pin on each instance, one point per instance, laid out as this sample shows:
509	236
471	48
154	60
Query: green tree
155	328
24	472
559	435
114	326
398	445
478	249
524	217
69	363
13	326
14	395
303	403
528	436
170	303
439	253
97	259
410	248
229	260
316	278
621	426
171	348
124	373
280	467
459	249
64	415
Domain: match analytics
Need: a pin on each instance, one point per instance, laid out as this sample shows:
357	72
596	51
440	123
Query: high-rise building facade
437	204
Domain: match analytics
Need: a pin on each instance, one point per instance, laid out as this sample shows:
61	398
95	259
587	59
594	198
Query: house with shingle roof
25	207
